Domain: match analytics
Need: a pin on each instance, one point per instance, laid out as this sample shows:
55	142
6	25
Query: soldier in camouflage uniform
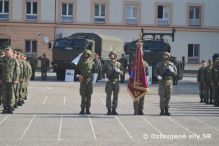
164	71
9	77
1	55
27	75
44	66
200	81
33	62
216	82
18	97
208	82
86	67
124	63
113	70
98	64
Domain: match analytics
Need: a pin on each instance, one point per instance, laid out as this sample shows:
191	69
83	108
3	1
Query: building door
4	43
193	53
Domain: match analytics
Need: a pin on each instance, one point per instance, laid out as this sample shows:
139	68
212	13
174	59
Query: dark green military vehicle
67	49
153	48
64	51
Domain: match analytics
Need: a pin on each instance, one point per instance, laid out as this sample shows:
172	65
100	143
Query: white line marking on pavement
44	101
2	121
25	131
92	127
124	128
152	125
206	124
60	129
182	126
64	100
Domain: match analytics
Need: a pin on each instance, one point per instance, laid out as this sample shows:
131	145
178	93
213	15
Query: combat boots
141	112
114	112
88	111
162	112
109	112
82	111
167	112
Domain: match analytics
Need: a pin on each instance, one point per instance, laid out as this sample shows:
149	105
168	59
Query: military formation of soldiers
15	72
208	80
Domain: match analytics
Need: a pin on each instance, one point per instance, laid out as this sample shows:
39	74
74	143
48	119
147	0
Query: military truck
153	48
67	49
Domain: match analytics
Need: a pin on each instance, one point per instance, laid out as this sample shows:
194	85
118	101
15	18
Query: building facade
28	24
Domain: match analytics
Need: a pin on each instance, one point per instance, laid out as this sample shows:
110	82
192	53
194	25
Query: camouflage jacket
10	70
109	69
29	70
216	73
97	64
44	63
200	74
208	75
87	68
162	69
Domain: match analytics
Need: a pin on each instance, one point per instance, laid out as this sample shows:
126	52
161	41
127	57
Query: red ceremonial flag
138	83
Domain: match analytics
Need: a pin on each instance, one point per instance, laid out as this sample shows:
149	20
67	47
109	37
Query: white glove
171	68
106	79
159	78
117	70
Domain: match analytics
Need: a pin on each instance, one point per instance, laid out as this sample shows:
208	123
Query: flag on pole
138	83
76	60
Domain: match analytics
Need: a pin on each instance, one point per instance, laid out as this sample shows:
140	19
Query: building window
131	14
4	9
163	15
99	13
195	15
31	47
67	12
31	11
193	53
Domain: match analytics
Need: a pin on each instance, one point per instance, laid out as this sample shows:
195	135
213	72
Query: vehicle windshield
70	43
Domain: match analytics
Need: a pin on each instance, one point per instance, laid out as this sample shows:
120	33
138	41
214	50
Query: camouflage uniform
208	83
165	83
112	85
216	82
10	76
86	68
98	65
123	61
27	77
18	91
201	83
44	66
139	105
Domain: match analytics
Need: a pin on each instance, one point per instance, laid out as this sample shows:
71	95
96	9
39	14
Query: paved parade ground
50	117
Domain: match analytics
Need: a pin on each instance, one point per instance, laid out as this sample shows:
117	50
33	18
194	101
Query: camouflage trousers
201	91
139	105
86	90
165	91
208	92
43	73
216	92
8	95
112	87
